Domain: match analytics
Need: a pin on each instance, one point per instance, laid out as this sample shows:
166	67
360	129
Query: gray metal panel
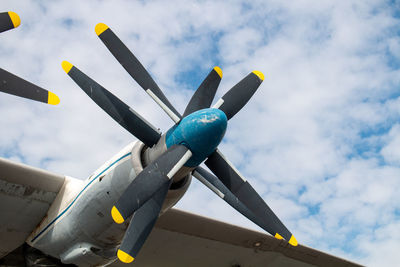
26	194
184	239
19	173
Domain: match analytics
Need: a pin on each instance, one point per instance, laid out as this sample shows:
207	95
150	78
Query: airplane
49	219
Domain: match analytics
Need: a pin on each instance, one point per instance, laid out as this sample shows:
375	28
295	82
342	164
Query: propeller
144	198
141	224
215	185
114	107
237	192
204	95
14	85
9	20
149	181
238	96
131	63
193	139
241	188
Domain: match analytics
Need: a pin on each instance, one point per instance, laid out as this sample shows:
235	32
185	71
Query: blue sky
320	140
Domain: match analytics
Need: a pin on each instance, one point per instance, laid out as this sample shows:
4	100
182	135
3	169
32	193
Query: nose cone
201	132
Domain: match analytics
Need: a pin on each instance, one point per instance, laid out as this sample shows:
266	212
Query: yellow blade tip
278	236
259	74
293	241
218	70
14	18
100	28
124	257
53	99
117	217
66	66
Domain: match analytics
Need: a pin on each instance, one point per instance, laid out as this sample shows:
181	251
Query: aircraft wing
184	239
26	194
178	239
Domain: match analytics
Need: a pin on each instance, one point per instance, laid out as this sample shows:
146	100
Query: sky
319	141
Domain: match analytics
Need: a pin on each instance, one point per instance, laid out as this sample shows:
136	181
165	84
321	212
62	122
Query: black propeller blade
215	185
117	109
204	95
235	182
141	224
9	20
149	181
131	63
12	84
235	99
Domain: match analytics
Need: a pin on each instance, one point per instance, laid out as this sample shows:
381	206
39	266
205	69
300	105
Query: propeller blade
149	181
130	63
238	185
11	84
9	20
141	224
235	99
215	185
204	95
114	107
167	110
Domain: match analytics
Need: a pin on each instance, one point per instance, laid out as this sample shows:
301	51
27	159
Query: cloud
318	140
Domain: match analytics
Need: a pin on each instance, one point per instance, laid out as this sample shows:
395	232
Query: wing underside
26	194
184	239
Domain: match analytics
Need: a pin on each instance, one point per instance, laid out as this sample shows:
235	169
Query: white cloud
318	140
391	151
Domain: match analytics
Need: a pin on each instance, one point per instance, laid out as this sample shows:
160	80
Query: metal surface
150	180
204	95
201	132
84	219
242	189
113	106
131	64
178	239
237	97
183	239
26	194
14	85
19	173
80	218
